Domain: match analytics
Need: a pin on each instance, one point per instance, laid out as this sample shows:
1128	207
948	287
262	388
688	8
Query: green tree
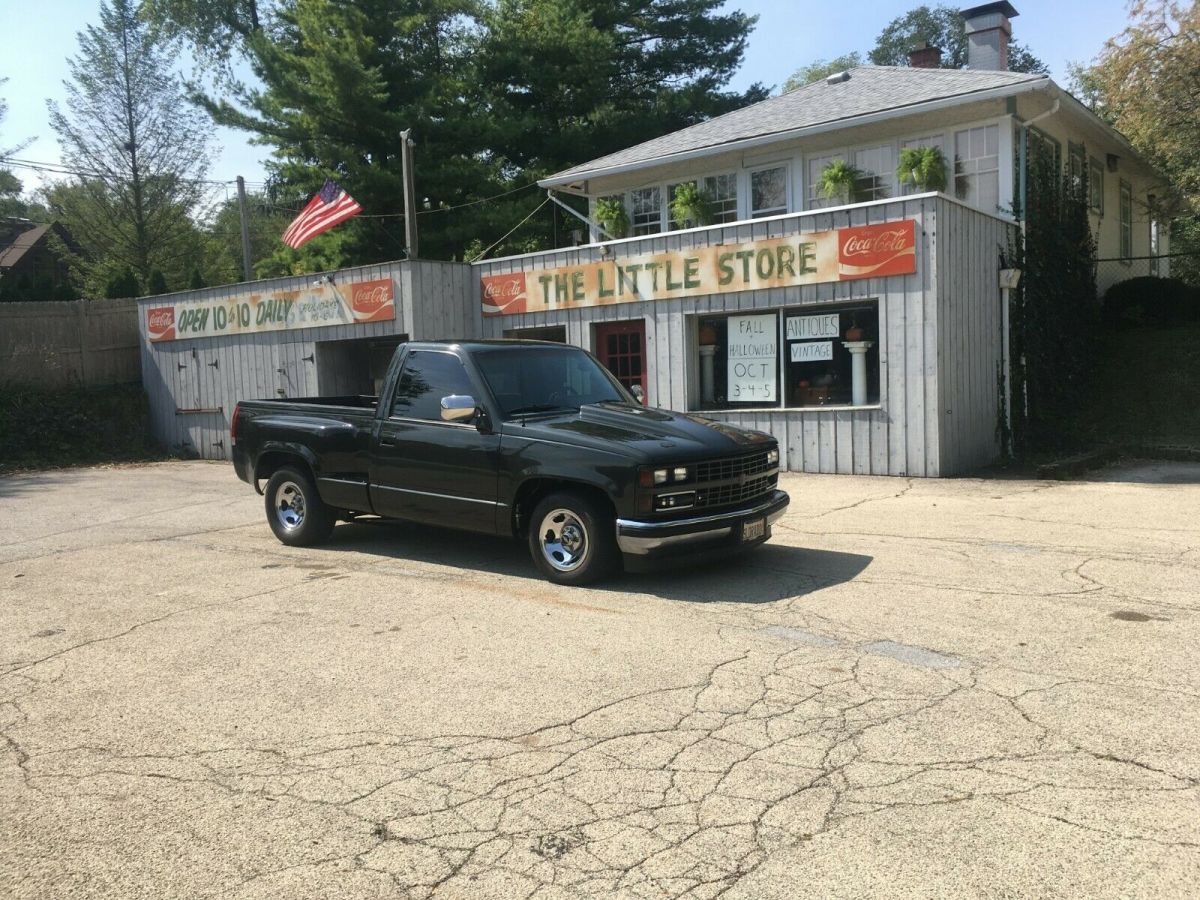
821	68
140	151
940	26
11	203
565	81
1146	81
497	94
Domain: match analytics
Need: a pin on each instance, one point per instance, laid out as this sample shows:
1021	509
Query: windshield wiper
540	407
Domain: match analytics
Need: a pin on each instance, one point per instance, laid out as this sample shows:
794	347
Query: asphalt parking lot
966	688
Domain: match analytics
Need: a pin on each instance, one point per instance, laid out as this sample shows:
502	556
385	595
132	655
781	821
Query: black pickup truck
522	438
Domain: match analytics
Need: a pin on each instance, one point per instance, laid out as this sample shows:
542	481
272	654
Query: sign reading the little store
868	251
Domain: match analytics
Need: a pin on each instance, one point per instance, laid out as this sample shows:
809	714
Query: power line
62	169
514	228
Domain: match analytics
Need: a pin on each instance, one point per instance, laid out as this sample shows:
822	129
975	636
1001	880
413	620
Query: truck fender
280	451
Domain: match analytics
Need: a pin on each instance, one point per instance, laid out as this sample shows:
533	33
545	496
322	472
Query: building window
555	333
1125	213
794	358
1096	186
721	191
977	167
768	192
1153	238
1076	163
878	168
927	140
816	165
647	210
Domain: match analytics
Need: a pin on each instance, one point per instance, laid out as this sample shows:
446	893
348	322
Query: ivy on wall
1055	311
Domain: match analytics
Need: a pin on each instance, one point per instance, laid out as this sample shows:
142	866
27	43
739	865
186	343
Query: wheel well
274	460
531	492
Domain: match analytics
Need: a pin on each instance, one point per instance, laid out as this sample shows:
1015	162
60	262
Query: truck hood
651	434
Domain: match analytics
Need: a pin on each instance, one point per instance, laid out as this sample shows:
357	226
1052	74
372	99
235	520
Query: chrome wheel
564	540
289	505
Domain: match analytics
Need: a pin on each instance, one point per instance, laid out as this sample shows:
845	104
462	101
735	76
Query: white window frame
812	196
630	205
884	181
952	135
786	165
1125	222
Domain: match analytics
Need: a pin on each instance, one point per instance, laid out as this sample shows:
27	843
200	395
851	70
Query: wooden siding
903	435
81	342
969	337
194	384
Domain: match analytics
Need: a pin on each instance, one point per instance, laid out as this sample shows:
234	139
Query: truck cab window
427	377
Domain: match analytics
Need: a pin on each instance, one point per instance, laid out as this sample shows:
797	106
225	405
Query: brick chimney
988	34
925	56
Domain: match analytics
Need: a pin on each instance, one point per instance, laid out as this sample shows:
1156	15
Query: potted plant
690	206
839	180
610	215
923	167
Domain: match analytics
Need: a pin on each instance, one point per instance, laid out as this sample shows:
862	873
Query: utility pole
410	200
241	185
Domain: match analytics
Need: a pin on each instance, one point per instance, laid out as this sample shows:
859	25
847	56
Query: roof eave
895	112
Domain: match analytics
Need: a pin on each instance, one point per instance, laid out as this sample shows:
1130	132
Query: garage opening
354	367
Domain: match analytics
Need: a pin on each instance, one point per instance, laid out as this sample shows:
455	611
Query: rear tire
572	539
295	510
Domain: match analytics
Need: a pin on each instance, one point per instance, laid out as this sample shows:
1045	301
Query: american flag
331	206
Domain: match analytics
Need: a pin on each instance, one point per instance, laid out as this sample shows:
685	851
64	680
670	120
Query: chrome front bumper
638	538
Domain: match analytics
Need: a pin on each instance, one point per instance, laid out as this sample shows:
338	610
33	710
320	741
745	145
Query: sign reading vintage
318	306
868	251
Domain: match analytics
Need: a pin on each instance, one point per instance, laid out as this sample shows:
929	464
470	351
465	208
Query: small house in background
32	265
785	154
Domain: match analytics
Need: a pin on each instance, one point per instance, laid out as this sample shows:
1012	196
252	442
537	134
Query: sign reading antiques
318	306
868	251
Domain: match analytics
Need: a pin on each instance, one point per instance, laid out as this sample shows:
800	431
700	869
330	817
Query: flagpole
410	202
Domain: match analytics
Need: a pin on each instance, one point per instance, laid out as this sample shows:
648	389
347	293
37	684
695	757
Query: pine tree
140	151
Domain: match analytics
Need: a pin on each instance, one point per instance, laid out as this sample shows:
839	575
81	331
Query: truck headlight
680	473
684	500
660	476
773	456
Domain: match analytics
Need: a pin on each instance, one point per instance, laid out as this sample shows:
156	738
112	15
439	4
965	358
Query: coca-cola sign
875	251
503	294
373	301
160	323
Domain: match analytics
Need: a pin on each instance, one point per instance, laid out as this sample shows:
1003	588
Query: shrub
42	427
1150	300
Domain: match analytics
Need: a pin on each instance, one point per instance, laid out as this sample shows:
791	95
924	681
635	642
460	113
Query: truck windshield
546	379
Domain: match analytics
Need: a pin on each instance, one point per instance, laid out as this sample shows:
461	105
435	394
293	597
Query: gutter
895	112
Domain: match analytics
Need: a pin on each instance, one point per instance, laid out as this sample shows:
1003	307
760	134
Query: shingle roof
869	89
25	241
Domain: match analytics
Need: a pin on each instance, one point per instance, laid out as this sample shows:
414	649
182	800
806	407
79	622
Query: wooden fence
81	342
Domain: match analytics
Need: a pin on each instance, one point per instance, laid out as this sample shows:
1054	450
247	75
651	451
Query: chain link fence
1184	266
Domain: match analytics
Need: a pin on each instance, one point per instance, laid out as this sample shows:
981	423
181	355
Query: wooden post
241	188
410	201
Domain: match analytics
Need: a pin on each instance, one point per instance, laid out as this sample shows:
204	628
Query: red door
621	346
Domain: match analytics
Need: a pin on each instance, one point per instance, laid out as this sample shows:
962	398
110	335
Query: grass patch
47	428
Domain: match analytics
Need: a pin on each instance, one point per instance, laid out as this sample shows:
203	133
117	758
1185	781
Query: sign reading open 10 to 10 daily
319	306
868	251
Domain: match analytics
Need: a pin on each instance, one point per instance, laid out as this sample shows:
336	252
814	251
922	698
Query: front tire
572	539
295	510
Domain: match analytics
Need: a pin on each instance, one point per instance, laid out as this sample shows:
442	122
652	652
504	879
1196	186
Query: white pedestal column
858	370
707	389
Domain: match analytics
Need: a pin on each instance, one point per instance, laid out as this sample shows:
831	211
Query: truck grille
724	482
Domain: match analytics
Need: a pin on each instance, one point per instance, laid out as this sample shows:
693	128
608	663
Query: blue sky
788	35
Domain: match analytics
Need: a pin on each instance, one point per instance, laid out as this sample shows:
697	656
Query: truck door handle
383	443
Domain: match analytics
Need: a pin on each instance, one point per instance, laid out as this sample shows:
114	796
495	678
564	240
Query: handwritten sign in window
813	351
752	352
804	328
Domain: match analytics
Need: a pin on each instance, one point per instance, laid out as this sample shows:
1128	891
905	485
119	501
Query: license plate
753	529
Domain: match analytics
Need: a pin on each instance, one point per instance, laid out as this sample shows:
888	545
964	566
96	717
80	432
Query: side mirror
458	408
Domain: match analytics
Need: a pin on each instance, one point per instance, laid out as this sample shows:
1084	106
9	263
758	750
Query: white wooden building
866	336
